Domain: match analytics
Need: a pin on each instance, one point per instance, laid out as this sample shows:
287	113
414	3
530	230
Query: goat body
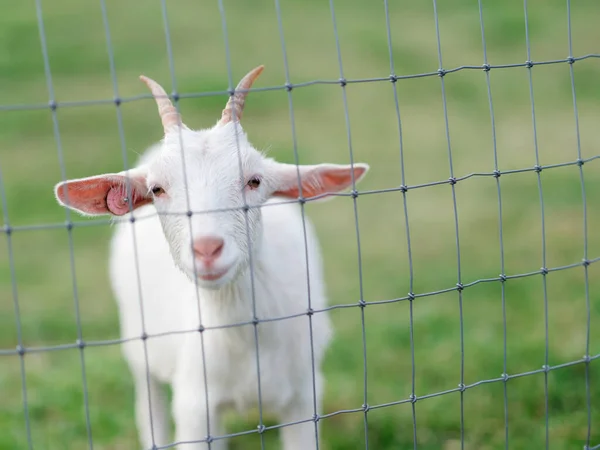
168	301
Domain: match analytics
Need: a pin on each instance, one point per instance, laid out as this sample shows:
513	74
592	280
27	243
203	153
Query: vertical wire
121	130
452	182
69	223
393	79
544	270
255	320
303	213
362	302
588	393
189	213
15	296
500	230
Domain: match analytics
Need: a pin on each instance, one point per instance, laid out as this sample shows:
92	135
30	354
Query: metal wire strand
255	319
408	400
123	145
456	229
200	328
413	393
20	350
81	103
362	303
500	230
588	393
411	296
303	215
544	271
59	147
357	193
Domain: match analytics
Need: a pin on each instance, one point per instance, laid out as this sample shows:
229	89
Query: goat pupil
254	183
157	190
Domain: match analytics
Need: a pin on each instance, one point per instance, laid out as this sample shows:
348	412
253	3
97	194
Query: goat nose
208	248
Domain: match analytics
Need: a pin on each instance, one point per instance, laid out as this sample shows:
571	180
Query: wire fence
453	179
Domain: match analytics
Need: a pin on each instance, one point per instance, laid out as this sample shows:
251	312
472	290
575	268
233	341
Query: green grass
90	144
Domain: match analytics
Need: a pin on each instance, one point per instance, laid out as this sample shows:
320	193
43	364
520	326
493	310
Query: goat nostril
208	247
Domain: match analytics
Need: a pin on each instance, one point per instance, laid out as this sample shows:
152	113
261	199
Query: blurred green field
90	144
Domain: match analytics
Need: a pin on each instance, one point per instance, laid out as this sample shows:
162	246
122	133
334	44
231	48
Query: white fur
158	276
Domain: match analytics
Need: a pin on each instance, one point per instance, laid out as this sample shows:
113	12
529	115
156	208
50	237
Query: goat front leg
300	436
150	411
305	435
194	409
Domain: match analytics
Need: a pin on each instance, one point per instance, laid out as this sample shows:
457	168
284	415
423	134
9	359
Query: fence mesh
404	188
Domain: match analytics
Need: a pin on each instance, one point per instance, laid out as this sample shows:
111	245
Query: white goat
181	271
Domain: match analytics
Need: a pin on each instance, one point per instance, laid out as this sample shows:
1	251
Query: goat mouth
212	276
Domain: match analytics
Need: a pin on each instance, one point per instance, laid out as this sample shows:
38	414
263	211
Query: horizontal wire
289	86
20	350
114	220
503	378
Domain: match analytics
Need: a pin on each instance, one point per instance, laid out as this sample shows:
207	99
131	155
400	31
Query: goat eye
157	190
254	183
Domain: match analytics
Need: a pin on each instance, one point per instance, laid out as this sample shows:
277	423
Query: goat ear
316	180
104	194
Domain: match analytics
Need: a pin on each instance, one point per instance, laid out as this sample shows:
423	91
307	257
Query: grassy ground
90	144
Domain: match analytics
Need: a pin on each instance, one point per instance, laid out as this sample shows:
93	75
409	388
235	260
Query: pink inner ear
102	195
117	201
320	180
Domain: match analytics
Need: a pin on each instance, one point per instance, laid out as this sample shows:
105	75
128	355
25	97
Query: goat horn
237	100
168	113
